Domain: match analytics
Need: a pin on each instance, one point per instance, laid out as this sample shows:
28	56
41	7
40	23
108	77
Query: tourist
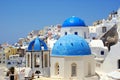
12	74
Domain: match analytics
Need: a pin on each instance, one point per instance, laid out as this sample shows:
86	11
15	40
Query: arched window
35	65
46	60
36	60
56	69
28	60
89	68
73	70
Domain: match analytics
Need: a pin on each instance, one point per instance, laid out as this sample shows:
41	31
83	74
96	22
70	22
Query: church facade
38	57
71	59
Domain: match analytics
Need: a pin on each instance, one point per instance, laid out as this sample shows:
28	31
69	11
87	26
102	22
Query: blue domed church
75	25
71	59
38	57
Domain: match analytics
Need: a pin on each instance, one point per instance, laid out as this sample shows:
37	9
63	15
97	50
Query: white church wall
89	65
80	67
60	61
81	31
85	67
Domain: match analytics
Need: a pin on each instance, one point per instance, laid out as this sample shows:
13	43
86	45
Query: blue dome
73	22
71	45
36	45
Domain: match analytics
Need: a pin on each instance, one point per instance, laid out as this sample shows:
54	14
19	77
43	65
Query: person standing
12	74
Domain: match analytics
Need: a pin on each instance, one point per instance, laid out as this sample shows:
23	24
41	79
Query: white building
71	58
103	26
98	49
75	25
112	61
108	63
2	56
14	61
38	57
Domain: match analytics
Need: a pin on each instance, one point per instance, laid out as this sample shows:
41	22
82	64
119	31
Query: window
102	52
28	60
46	60
65	33
104	29
73	70
35	65
85	35
76	33
9	63
89	68
56	69
119	64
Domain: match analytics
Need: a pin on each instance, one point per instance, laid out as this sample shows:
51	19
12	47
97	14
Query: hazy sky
19	17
